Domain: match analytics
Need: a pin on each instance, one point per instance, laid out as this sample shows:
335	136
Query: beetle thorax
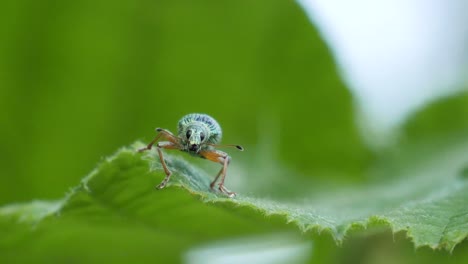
199	124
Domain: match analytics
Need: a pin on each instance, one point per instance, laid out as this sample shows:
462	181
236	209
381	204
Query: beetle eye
202	136
188	134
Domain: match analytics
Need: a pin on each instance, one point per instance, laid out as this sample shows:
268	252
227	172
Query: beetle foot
226	191
163	183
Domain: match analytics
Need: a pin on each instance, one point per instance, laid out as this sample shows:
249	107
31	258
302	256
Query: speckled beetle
198	135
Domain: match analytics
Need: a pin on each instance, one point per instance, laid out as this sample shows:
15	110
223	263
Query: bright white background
395	55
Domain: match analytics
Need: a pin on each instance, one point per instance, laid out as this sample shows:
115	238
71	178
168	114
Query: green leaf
428	201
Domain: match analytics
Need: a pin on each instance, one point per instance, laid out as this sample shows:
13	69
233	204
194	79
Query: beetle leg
165	145
172	143
212	184
224	159
162	133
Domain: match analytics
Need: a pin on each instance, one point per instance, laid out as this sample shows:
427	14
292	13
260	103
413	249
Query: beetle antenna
227	145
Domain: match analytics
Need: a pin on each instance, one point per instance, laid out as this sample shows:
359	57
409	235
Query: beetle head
194	137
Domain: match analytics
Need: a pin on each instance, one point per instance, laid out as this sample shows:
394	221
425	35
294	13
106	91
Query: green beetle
198	135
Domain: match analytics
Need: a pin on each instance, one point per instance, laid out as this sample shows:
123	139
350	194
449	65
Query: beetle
198	135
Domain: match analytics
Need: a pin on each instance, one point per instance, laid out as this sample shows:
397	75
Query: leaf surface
427	201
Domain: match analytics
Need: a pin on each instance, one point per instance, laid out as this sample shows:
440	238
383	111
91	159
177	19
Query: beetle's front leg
172	143
165	145
162	133
224	159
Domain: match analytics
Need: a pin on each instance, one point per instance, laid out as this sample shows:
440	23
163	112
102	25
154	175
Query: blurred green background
78	80
81	79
